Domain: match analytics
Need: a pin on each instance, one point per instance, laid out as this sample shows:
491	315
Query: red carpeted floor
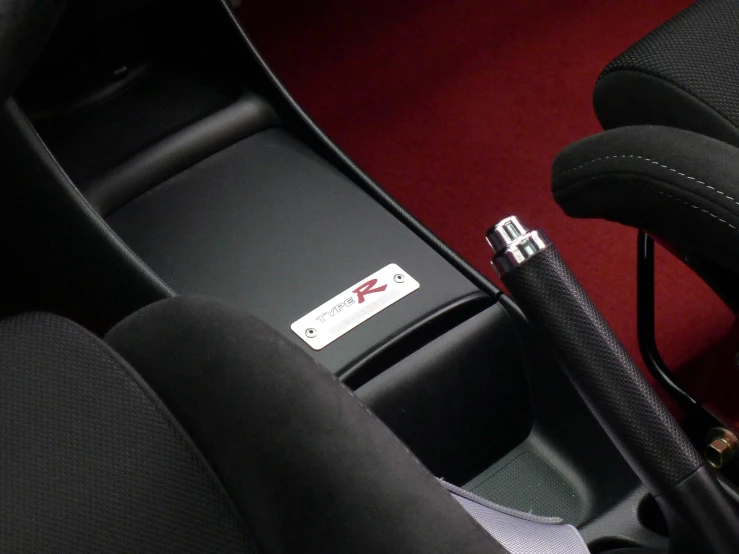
458	107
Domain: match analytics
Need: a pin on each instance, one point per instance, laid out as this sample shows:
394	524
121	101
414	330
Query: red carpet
458	107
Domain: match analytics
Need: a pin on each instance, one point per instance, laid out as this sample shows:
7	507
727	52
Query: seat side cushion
309	467
91	460
683	74
676	185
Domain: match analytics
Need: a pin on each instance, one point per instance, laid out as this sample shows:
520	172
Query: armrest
675	184
683	74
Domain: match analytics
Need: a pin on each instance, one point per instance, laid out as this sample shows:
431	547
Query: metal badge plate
354	306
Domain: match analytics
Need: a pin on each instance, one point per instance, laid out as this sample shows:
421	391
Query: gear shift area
613	387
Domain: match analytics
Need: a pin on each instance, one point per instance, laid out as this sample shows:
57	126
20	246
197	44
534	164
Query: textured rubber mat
529	484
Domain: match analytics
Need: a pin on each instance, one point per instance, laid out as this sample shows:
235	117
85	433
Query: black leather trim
245	117
675	184
309	468
627	97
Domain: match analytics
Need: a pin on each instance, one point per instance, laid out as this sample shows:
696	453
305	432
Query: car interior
219	333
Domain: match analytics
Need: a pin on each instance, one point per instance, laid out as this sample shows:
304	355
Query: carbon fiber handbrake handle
609	381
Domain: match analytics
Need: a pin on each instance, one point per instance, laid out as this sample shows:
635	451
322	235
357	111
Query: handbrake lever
611	384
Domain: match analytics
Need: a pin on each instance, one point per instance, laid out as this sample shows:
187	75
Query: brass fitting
722	448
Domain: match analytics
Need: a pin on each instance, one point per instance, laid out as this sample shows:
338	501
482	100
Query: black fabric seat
247	445
677	185
91	459
684	74
668	162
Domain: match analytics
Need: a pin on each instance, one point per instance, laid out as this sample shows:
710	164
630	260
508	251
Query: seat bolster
310	469
677	185
631	97
90	458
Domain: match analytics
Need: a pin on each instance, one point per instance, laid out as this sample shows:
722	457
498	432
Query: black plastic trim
713	515
623	525
413	338
461	400
247	116
83	260
303	126
271	227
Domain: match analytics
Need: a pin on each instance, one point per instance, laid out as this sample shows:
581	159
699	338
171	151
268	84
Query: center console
171	161
271	227
176	142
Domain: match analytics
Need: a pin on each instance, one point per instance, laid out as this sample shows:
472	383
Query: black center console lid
268	225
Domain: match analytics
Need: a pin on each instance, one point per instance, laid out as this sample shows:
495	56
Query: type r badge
354	306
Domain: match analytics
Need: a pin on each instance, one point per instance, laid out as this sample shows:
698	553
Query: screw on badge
399	278
311	333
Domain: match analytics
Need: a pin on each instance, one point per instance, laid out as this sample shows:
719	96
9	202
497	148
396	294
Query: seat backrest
91	460
684	74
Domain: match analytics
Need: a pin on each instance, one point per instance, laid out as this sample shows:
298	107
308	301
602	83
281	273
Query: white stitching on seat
654	162
695	207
